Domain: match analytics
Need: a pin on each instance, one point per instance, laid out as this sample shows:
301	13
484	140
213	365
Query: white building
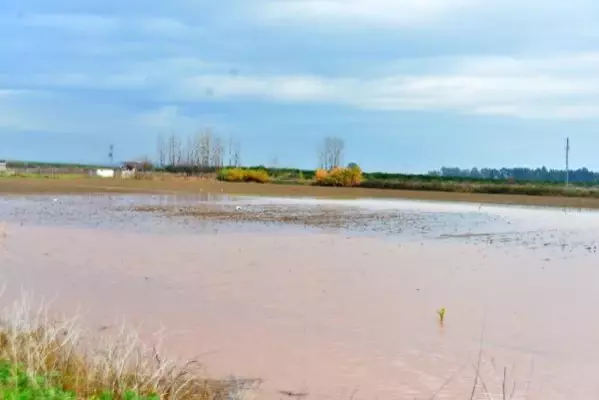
105	173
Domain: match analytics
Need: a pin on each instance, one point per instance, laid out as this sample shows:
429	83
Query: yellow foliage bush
321	175
243	175
350	176
258	176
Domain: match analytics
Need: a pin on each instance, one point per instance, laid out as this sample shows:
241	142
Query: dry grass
112	366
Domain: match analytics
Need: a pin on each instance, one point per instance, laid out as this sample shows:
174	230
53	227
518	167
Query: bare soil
195	186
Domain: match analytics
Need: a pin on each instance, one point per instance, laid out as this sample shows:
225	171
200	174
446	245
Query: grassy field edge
203	187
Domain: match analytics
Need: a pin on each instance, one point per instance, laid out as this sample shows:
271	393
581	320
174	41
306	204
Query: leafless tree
197	149
205	142
178	151
237	154
217	153
161	150
189	151
234	150
204	149
173	149
330	154
230	147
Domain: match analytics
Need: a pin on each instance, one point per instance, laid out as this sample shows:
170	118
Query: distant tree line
543	174
203	152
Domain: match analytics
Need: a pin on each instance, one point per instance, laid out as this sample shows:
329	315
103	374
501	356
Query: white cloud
399	12
170	117
551	87
562	86
283	88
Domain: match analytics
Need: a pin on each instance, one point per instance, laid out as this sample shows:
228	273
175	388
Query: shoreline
173	186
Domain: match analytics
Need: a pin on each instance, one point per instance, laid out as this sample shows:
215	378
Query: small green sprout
441	314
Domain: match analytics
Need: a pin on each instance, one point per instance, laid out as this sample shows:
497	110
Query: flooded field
334	299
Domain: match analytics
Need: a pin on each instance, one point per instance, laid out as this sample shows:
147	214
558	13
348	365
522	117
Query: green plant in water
441	314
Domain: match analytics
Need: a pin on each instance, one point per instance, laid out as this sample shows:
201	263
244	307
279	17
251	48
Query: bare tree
217	153
189	151
234	149
322	156
274	161
178	151
161	151
205	148
230	151
171	149
197	152
237	154
330	155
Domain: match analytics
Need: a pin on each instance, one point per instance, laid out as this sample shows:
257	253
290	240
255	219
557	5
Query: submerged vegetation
41	358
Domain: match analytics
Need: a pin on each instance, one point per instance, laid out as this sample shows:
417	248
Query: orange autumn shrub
346	177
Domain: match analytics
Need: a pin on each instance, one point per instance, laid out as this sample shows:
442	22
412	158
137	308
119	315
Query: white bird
238	208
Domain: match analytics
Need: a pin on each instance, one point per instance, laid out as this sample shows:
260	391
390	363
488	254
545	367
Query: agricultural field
336	295
428	253
282	185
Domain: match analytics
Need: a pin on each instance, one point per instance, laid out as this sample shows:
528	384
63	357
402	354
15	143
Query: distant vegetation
581	175
210	155
46	165
346	177
352	176
243	175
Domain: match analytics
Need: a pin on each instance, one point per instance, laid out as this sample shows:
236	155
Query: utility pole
567	161
111	154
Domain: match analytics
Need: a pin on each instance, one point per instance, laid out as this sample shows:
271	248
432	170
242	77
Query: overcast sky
411	85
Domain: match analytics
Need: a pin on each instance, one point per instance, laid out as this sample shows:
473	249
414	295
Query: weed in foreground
41	358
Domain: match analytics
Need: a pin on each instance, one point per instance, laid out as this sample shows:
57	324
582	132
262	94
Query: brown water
336	313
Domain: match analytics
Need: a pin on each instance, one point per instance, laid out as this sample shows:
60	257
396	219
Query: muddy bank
331	217
195	186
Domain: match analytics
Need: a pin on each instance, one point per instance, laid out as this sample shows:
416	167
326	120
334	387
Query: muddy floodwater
329	299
